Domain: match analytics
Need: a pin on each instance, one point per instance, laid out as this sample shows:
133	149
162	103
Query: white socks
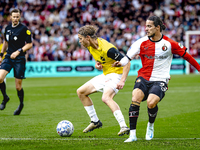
120	118
133	132
92	113
150	124
118	115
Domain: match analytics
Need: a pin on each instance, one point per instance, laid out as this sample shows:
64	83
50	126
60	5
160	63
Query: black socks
152	114
3	89
133	114
21	95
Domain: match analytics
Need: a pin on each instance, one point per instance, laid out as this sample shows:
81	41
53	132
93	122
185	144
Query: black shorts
18	65
151	87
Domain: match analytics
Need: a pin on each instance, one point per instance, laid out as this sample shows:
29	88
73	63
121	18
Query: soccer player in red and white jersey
156	51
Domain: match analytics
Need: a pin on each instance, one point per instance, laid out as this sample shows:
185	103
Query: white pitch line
88	139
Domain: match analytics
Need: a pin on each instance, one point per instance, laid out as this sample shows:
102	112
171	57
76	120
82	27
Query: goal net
192	40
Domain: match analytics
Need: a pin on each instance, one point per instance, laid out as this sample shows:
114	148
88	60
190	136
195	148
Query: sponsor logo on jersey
102	60
164	47
28	32
155	57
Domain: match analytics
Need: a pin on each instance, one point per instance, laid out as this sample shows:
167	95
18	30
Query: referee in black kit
17	40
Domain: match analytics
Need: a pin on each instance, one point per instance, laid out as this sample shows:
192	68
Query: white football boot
131	138
124	130
150	131
92	126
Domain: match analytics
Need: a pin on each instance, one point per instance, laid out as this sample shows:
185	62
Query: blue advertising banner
84	68
198	60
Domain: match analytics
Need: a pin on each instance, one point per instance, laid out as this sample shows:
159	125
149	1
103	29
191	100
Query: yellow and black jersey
106	54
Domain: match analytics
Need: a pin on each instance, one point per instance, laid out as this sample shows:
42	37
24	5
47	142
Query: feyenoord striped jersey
156	57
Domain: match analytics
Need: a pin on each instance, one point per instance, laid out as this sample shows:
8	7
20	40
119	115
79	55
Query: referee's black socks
21	105
21	95
3	89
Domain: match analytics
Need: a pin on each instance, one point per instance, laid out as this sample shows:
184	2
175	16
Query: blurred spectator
78	54
54	23
59	54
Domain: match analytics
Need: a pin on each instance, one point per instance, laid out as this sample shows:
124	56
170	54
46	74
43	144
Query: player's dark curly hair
157	21
88	30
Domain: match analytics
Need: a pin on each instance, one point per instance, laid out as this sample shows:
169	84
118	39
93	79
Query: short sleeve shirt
17	37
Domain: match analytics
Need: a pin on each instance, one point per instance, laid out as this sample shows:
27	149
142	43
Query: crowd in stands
54	23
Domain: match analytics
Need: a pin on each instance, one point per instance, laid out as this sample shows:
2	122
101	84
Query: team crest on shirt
164	47
28	32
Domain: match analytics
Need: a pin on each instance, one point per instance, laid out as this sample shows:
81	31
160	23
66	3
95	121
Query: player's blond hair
88	30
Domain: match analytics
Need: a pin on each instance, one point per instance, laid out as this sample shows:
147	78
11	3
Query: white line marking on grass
89	139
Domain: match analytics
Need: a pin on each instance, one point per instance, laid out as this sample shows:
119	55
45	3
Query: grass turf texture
50	100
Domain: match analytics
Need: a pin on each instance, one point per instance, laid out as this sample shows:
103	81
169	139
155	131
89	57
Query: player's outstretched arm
192	61
117	56
126	69
116	64
123	62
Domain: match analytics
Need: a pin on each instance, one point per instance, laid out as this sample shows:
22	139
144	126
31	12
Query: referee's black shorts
18	65
151	87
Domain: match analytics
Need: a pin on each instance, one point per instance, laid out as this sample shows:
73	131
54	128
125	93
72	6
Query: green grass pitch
50	100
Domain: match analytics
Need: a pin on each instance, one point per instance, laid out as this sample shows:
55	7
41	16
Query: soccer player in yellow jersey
112	79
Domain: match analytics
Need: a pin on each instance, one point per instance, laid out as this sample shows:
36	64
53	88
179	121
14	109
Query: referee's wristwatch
20	50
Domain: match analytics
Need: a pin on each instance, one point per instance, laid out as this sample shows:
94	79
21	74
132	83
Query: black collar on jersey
16	25
156	41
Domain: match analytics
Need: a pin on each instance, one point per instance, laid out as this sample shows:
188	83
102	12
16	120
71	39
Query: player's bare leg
83	93
107	98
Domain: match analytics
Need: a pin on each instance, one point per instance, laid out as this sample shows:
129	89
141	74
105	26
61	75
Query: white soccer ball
65	128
